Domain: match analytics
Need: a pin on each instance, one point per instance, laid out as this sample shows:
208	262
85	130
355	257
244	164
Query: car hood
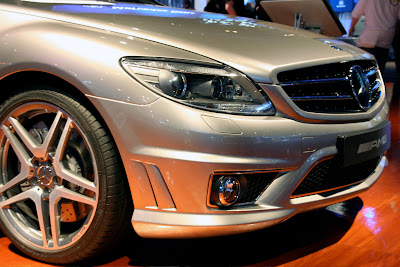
259	49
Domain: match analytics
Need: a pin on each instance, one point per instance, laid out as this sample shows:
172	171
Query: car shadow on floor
299	236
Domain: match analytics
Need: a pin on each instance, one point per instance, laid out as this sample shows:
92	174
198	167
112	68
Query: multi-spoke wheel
62	195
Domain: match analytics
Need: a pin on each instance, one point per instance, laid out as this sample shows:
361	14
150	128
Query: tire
63	195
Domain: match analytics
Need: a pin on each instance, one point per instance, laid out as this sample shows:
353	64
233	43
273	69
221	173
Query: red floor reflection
363	231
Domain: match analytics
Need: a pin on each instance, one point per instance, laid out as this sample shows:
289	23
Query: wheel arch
19	81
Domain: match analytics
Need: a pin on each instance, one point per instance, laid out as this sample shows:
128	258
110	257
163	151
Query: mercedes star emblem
360	86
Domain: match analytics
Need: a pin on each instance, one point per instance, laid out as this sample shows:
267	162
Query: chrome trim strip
371	72
343	79
377	83
317	98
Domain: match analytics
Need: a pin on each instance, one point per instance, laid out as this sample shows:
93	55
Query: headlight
215	88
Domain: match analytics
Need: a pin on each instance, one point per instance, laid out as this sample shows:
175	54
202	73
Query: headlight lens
213	88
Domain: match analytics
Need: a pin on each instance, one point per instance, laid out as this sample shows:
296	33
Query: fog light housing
238	189
227	190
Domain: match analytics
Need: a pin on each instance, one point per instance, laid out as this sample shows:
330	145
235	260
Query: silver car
179	123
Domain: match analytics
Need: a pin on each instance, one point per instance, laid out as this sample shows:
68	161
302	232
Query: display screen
342	5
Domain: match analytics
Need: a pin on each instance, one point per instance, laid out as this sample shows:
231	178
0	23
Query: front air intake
327	176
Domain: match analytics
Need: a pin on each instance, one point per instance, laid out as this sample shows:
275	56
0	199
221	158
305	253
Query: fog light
227	190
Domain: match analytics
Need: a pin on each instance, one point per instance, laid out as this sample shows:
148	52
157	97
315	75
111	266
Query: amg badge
365	147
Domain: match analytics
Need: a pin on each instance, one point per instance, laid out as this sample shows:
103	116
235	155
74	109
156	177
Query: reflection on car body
181	123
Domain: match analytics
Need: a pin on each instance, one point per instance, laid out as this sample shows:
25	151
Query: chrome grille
331	87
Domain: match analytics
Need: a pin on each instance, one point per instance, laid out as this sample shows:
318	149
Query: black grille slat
328	71
331	106
327	88
328	175
256	184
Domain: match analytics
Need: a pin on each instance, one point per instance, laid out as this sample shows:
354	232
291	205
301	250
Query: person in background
396	48
187	4
381	17
235	8
238	8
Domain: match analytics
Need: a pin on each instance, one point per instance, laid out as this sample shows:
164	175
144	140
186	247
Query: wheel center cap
45	175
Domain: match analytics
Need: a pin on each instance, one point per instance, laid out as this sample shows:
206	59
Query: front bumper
163	224
170	152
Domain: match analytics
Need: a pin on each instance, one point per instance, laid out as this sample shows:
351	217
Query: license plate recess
358	148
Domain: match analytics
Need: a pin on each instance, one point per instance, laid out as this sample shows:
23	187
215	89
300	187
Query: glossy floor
363	231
